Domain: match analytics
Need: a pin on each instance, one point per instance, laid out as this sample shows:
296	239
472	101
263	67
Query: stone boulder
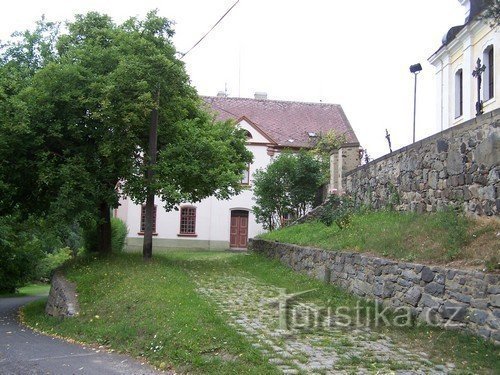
62	301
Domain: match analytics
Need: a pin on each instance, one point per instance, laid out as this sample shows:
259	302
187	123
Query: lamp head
415	68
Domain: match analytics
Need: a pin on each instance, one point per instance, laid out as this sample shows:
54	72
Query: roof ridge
270	100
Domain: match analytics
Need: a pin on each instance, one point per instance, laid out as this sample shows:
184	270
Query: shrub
118	235
50	262
20	253
338	210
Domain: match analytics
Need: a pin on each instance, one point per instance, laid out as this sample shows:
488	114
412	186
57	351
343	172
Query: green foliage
75	115
455	223
51	262
324	145
20	252
119	233
286	189
491	12
433	237
393	196
338	210
132	315
31	248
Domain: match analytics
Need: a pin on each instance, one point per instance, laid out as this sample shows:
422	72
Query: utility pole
147	247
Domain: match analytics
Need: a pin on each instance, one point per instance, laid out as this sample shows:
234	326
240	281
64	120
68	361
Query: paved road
24	352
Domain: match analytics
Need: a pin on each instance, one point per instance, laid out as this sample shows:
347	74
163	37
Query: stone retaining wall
459	165
452	298
62	301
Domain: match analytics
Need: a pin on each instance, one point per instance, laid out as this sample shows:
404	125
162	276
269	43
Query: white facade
213	216
455	61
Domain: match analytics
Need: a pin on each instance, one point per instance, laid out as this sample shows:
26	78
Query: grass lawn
429	238
154	311
29	290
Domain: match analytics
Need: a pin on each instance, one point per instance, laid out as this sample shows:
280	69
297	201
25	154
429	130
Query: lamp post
415	69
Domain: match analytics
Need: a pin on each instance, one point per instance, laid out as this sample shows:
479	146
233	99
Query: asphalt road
25	352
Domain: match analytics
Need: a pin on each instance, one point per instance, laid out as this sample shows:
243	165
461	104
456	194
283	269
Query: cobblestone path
313	345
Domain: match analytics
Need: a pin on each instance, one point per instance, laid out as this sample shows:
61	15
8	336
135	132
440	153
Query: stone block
412	296
493	322
478	316
479	303
410	275
494	289
434	289
488	151
495	300
454	162
464	298
427	275
453	311
428	301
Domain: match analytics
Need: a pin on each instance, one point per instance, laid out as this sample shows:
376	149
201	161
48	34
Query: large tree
76	127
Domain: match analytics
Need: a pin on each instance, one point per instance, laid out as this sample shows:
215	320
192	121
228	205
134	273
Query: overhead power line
209	31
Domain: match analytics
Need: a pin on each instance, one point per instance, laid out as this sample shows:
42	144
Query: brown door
239	229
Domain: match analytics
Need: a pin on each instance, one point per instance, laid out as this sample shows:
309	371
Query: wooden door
239	229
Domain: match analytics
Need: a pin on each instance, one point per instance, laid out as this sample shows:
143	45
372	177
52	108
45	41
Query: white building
455	61
216	224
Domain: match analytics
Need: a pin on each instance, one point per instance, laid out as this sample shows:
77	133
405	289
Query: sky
353	53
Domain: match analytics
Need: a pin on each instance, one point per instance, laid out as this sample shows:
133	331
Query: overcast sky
353	53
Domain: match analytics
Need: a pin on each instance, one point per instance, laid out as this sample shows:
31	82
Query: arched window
459	93
248	134
489	75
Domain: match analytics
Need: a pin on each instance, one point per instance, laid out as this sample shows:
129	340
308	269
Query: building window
188	220
459	93
143	219
489	76
245	179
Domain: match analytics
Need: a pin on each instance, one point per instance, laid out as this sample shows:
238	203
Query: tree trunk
104	229
147	247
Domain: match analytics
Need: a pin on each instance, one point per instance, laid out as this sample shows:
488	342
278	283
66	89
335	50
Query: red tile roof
284	121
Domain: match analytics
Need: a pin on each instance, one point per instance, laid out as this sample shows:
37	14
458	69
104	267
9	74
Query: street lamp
415	69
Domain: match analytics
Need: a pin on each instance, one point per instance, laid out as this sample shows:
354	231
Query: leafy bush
338	210
51	261
20	253
118	235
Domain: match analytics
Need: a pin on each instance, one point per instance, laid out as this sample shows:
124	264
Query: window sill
488	102
142	234
458	120
187	235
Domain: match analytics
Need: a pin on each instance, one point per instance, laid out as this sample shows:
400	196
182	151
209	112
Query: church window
489	76
459	93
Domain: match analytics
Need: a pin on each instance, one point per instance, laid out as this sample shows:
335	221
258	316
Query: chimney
221	94
260	95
